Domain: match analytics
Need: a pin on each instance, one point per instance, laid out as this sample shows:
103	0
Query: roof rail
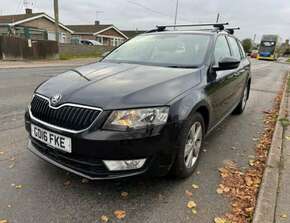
218	26
231	30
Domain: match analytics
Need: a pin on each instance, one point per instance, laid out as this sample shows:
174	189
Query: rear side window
242	50
221	49
234	47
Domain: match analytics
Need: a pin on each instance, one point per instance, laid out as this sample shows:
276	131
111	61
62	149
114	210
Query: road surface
44	198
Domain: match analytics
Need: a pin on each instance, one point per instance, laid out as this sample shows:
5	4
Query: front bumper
89	149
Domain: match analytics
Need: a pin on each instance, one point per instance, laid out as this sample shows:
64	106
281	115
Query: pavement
34	191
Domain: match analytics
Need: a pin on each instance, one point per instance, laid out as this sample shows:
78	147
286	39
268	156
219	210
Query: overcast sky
253	16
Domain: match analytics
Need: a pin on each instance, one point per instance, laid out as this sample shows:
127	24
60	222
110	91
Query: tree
247	44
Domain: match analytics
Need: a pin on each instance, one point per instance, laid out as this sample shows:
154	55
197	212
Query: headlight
136	118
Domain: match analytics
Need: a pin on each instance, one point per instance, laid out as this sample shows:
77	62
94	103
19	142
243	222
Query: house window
100	39
116	41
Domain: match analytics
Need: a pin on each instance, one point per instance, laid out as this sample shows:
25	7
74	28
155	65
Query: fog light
115	165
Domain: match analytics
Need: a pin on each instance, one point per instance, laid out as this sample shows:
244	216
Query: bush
247	44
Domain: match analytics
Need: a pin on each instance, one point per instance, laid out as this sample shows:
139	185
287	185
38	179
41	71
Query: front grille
68	117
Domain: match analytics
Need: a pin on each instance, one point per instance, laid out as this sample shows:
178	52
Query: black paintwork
111	86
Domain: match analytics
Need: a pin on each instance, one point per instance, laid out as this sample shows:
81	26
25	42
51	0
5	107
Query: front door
222	89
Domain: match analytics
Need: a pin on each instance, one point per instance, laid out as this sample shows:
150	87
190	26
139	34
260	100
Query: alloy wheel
193	144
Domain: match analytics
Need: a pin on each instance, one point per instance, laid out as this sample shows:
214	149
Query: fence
14	48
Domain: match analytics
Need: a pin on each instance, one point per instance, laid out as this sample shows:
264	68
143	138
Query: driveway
34	191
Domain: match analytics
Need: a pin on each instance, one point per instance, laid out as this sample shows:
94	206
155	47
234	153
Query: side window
242	50
234	47
221	49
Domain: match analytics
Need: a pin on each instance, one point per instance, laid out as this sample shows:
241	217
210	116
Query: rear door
241	73
221	90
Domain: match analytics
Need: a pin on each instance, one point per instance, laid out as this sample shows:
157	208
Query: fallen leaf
284	216
191	204
194	186
197	172
287	137
85	181
120	214
193	210
124	194
12	185
11	165
220	220
3	221
1	153
12	158
219	190
9	205
188	193
251	162
226	189
67	183
104	218
18	186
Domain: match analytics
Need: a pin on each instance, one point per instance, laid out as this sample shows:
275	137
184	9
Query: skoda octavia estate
146	107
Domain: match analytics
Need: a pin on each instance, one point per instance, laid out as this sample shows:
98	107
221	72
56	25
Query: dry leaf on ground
188	193
194	186
124	194
191	204
120	214
3	221
104	219
220	220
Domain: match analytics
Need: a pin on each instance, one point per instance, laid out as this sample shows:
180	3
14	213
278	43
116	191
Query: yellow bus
269	47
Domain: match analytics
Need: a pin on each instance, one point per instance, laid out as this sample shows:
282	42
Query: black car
144	108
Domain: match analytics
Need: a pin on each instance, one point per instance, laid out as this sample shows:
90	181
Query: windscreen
172	50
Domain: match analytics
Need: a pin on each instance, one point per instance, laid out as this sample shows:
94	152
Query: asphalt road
44	198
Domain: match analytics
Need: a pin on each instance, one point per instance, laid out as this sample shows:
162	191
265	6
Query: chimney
28	11
97	22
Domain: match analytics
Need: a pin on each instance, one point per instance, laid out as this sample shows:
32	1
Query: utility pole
218	18
56	19
176	12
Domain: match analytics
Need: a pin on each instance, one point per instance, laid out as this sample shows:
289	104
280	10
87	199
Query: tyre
189	146
242	105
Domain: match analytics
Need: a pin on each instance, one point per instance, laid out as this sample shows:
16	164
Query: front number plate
51	139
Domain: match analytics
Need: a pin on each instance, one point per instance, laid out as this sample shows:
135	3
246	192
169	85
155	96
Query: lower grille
89	166
67	116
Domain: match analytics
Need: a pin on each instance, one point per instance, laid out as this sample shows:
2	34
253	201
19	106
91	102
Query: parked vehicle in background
90	42
254	53
269	47
144	108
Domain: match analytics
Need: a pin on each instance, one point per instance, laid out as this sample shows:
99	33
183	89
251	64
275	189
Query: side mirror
105	54
227	63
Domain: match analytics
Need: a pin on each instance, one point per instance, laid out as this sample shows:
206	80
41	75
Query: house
108	35
132	33
36	26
